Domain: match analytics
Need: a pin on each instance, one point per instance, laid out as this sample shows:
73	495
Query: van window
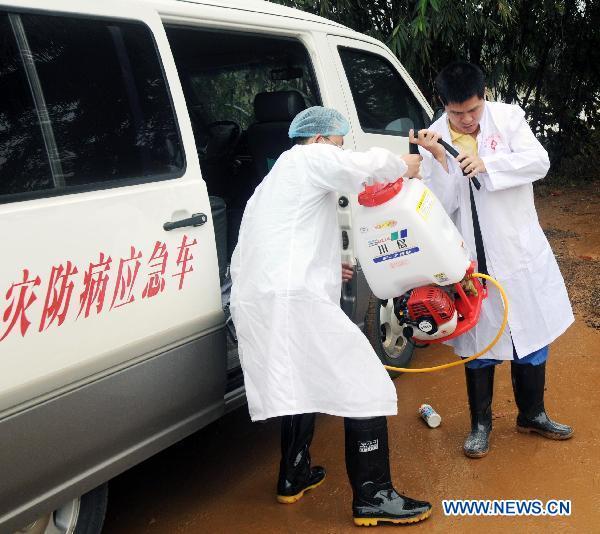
223	86
384	103
23	159
239	136
83	102
237	86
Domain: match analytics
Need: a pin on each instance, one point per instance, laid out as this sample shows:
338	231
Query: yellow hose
470	358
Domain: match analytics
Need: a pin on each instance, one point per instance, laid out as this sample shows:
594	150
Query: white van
132	133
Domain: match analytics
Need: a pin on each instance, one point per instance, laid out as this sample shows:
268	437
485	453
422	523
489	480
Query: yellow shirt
464	142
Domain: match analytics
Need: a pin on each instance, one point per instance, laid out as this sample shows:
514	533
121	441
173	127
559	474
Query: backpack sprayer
412	252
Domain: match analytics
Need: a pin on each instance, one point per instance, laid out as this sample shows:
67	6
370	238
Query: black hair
459	81
301	140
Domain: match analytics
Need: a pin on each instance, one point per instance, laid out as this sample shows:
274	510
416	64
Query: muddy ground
222	479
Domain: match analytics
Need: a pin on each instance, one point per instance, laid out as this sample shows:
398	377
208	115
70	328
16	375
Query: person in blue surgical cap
300	353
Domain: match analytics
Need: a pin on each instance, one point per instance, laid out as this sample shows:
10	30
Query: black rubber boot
480	388
367	461
528	385
296	476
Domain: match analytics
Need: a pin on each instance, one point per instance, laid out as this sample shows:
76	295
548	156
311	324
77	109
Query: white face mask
332	142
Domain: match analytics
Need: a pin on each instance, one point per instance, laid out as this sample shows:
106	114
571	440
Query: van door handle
197	219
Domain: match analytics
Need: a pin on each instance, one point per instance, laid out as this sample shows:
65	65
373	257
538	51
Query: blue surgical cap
318	121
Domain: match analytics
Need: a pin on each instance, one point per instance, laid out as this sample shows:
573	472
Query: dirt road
222	479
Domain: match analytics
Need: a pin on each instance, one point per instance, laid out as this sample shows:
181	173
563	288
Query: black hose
454	153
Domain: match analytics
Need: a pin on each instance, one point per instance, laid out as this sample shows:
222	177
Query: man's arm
527	162
346	171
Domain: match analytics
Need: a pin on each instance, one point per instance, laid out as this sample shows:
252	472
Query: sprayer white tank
404	239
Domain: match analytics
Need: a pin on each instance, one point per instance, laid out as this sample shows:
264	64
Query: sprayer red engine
433	314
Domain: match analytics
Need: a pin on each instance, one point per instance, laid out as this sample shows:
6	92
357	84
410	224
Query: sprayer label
441	278
394	255
386	224
425	204
394	236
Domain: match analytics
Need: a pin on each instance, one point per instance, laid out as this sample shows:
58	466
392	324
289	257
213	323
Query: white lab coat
299	352
517	252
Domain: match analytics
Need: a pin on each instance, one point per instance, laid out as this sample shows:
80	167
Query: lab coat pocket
503	233
535	243
547	286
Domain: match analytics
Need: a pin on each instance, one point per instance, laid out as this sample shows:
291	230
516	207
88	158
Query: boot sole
373	521
476	454
549	435
291	499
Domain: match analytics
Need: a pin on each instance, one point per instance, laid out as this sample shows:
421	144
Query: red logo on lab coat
492	141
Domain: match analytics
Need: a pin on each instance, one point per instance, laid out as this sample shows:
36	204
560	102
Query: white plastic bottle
404	239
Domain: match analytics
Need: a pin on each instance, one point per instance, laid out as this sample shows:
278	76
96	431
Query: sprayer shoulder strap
481	263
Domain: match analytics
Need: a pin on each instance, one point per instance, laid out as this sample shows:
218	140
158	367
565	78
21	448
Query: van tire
390	346
92	511
82	515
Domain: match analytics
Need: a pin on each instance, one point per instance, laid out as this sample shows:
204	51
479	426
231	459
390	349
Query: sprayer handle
453	152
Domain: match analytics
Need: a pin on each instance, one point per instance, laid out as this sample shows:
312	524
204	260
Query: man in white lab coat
500	225
299	352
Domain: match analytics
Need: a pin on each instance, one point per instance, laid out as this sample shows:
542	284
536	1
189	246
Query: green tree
542	54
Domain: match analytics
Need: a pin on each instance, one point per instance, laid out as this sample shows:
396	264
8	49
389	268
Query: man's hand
413	161
347	272
429	141
471	165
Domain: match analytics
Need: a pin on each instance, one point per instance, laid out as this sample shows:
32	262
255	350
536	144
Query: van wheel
385	334
84	515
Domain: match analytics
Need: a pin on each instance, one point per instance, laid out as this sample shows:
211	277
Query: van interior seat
268	136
